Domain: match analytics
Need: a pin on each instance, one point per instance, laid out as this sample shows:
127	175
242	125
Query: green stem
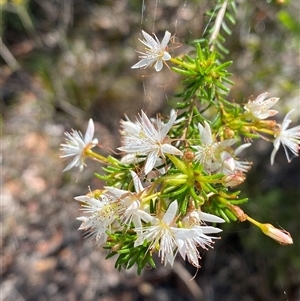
254	222
96	156
183	64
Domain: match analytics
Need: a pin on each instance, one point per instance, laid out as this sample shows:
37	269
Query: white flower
289	138
102	216
165	236
259	108
219	156
144	139
155	51
160	235
76	145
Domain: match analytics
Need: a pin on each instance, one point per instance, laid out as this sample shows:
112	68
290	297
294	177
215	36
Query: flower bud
234	179
281	236
189	156
228	133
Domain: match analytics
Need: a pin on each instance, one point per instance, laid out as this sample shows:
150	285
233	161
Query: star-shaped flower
289	138
160	235
164	236
259	108
102	213
76	146
155	51
147	138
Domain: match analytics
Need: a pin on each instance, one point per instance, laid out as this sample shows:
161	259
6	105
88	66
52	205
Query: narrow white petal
115	191
210	217
143	63
158	65
72	164
89	132
169	149
286	121
205	133
241	148
208	229
260	98
170	213
151	160
151	42
165	129
82	198
165	40
137	182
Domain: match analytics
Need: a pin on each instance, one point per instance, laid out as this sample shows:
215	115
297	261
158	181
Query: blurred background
64	61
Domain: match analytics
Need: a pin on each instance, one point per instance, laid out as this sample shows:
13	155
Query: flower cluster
115	210
176	176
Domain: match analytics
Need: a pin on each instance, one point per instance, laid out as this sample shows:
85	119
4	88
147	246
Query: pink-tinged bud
281	236
234	179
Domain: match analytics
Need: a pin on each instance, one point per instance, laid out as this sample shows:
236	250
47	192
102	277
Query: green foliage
122	244
204	76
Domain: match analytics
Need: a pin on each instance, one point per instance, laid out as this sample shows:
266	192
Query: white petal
170	213
158	65
286	121
150	163
143	63
72	164
165	129
151	43
205	133
170	149
89	132
165	40
260	98
210	217
82	198
137	182
166	56
208	229
115	191
241	148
